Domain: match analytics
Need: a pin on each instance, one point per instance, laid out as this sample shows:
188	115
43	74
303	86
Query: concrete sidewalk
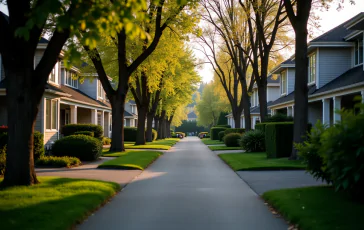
186	188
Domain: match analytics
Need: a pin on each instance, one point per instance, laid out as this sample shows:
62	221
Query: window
312	68
358	52
284	82
52	76
51	114
71	79
100	90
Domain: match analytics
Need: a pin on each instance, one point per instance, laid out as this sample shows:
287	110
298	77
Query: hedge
87	133
71	129
130	133
279	139
214	132
224	126
260	126
83	147
232	139
58	161
234	130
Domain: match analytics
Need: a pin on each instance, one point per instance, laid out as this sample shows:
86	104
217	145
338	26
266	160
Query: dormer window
358	52
71	79
312	68
283	82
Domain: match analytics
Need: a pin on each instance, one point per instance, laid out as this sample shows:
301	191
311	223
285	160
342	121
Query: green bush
130	133
260	126
87	133
71	129
174	136
232	139
2	159
214	132
38	145
106	141
279	139
58	161
253	141
221	135
85	148
223	126
342	147
309	152
235	130
278	118
154	134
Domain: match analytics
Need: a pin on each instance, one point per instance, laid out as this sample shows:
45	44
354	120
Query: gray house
272	94
336	73
130	114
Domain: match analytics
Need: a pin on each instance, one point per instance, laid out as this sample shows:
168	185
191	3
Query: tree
222	118
229	25
25	83
266	23
161	16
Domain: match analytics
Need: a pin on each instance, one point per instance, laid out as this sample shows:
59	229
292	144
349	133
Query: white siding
50	136
332	63
89	87
40	118
290	80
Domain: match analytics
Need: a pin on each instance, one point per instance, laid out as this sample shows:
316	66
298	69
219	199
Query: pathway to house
187	188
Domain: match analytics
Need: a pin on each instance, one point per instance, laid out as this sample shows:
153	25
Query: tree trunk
149	133
142	113
22	109
246	106
237	119
262	94
156	123
301	90
169	129
117	135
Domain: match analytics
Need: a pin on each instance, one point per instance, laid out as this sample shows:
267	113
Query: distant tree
222	118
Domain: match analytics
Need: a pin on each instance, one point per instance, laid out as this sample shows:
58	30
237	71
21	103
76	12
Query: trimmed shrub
279	139
2	159
85	148
223	126
106	141
221	135
260	126
278	118
71	129
58	161
234	130
130	133
38	145
342	147
87	133
154	134
309	152
214	133
253	141
232	139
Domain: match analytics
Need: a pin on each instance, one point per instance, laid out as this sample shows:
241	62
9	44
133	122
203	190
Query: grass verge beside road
55	203
317	208
220	148
208	141
131	160
258	161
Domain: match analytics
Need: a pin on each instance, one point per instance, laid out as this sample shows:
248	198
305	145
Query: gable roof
290	97
127	114
336	34
271	80
192	115
82	97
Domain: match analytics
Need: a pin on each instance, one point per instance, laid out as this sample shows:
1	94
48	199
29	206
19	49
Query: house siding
127	122
273	93
314	112
291	80
50	136
40	117
89	87
332	63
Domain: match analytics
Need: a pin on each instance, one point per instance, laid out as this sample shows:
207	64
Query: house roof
127	114
350	77
336	34
132	102
290	97
271	80
286	64
82	97
5	16
256	109
192	115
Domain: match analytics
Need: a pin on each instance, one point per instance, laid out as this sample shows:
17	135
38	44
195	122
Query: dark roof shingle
82	97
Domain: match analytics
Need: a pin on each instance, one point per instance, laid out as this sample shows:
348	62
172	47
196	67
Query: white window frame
358	48
51	114
100	90
70	81
312	69
284	84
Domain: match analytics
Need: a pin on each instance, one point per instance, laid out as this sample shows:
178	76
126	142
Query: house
272	94
65	100
192	116
130	114
336	73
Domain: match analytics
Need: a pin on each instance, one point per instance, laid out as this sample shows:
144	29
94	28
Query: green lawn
208	141
164	144
117	154
317	208
258	161
218	148
131	160
55	203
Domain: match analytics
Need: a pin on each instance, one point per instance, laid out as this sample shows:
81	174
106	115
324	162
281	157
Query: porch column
289	111
337	106
326	111
102	121
94	116
292	110
243	123
73	113
272	112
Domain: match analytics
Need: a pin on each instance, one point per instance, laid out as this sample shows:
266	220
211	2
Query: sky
329	19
